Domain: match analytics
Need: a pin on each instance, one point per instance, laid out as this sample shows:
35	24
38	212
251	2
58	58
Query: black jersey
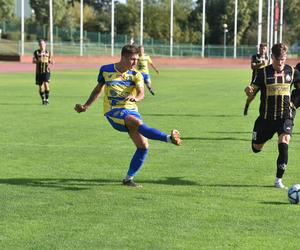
275	87
42	61
260	59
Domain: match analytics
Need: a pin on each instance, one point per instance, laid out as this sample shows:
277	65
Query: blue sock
152	133
137	161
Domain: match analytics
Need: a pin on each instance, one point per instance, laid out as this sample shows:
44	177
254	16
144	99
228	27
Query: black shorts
41	78
265	129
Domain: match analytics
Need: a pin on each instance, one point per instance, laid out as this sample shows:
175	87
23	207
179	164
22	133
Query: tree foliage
6	9
41	10
187	18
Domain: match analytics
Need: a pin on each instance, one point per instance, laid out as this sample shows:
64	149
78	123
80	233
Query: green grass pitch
60	172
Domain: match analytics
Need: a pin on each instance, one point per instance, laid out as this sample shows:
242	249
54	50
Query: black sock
282	159
42	94
47	94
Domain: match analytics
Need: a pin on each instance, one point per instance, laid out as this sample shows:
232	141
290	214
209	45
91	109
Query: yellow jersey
142	64
118	86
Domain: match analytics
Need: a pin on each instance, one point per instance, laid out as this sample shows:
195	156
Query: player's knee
144	146
132	123
255	149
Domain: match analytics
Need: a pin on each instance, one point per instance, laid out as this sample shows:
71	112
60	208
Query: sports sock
136	162
47	94
42	94
148	85
152	133
282	159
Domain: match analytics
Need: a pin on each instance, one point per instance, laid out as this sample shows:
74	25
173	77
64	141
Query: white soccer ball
294	194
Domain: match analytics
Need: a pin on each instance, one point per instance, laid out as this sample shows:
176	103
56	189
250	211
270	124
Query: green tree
291	29
127	18
246	18
6	9
41	10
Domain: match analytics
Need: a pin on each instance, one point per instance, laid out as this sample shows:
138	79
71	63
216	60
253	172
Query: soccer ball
294	194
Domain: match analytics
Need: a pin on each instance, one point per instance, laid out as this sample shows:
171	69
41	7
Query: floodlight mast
259	29
112	26
22	28
142	23
271	27
225	31
51	26
203	28
171	27
281	21
81	27
235	28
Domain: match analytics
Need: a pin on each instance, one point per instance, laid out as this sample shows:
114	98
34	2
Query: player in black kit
276	111
42	59
258	61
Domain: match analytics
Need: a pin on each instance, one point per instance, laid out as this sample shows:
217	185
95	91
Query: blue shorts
116	118
146	78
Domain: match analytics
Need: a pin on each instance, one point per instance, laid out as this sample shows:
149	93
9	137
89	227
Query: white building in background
27	8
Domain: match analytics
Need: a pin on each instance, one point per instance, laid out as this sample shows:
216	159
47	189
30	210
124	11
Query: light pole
225	31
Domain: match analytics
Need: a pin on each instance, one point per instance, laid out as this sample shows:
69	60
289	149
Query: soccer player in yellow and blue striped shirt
124	87
142	66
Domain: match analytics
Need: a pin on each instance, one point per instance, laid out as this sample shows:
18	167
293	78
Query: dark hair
263	45
129	50
279	49
41	40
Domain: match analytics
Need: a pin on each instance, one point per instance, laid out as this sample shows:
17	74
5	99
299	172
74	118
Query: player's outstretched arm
154	67
93	96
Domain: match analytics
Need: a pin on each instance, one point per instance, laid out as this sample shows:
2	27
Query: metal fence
66	42
92	48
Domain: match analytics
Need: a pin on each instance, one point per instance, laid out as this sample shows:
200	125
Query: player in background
124	87
258	61
276	111
143	67
42	59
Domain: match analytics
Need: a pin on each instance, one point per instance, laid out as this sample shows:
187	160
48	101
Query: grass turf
60	181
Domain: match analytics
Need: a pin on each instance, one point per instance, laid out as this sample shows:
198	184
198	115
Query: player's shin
282	159
47	94
136	162
42	95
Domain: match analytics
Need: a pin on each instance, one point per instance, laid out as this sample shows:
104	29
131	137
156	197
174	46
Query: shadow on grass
274	203
229	138
65	184
192	115
176	181
237	185
84	184
19	104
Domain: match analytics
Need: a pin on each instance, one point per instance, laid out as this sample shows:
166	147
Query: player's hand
157	71
249	90
80	108
131	98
